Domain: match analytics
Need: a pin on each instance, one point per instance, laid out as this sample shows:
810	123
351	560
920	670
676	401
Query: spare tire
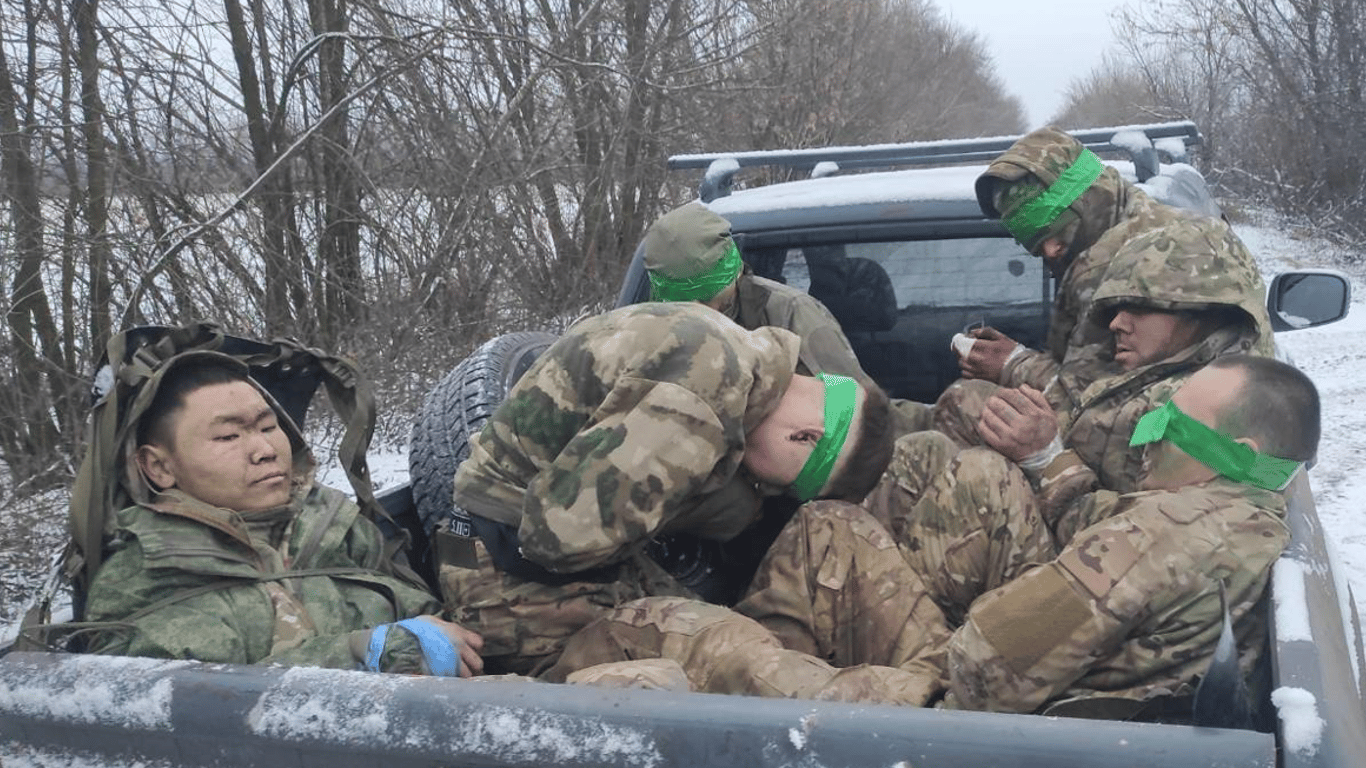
454	412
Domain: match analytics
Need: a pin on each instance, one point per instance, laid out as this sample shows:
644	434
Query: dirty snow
118	691
329	704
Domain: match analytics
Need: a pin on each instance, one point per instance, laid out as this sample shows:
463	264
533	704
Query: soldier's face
775	451
1203	397
1143	336
226	449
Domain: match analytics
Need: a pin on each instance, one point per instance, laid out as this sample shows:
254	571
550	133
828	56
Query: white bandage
1035	463
962	344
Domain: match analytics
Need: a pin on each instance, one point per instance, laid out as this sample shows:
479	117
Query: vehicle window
900	302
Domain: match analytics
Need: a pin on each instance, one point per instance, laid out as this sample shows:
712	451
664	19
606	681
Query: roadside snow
1334	356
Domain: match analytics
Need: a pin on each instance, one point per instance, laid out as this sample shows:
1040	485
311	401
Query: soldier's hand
469	643
1018	422
988	354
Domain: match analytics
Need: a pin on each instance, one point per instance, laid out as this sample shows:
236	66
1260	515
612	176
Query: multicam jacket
1194	264
633	423
1130	608
1111	211
185	580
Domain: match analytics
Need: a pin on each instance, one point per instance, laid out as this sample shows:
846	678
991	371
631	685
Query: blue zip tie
438	650
376	649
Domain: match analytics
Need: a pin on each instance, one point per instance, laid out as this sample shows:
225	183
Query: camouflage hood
687	241
1034	163
1187	264
134	481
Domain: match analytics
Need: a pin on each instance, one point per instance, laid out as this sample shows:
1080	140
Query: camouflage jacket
825	349
1111	211
632	423
1190	265
184	580
1130	608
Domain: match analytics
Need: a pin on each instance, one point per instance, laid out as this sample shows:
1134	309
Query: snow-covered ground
1334	356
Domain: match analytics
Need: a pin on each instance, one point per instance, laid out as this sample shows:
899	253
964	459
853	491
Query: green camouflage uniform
1125	608
164	553
834	613
632	424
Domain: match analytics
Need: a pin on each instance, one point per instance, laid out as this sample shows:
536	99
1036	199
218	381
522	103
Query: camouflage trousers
959	407
525	624
910	416
967	521
834	613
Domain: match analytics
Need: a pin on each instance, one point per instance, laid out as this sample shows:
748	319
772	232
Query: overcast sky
1038	45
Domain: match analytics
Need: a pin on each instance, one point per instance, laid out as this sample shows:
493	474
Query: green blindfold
841	394
1214	449
1028	222
701	287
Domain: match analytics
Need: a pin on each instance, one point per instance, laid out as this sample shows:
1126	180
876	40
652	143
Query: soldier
690	256
651	418
1061	203
1126	604
1105	607
1173	299
233	553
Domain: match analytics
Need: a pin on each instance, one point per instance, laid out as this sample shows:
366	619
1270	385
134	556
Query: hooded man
689	255
1173	299
231	552
1061	203
653	418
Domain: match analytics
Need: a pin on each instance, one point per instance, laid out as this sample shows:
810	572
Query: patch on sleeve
1099	559
1030	617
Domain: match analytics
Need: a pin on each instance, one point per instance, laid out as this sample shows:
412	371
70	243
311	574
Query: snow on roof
919	185
954	183
1132	141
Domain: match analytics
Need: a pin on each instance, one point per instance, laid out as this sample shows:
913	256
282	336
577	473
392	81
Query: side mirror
1304	298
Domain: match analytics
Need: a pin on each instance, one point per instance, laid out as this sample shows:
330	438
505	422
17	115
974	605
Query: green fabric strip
841	395
1029	220
1221	453
701	287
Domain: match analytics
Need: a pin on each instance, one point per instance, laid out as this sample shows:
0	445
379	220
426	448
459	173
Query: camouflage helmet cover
1188	264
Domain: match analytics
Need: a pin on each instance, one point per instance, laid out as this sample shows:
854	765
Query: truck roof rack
1139	142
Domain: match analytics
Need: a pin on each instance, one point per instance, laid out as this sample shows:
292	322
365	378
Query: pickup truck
942	265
